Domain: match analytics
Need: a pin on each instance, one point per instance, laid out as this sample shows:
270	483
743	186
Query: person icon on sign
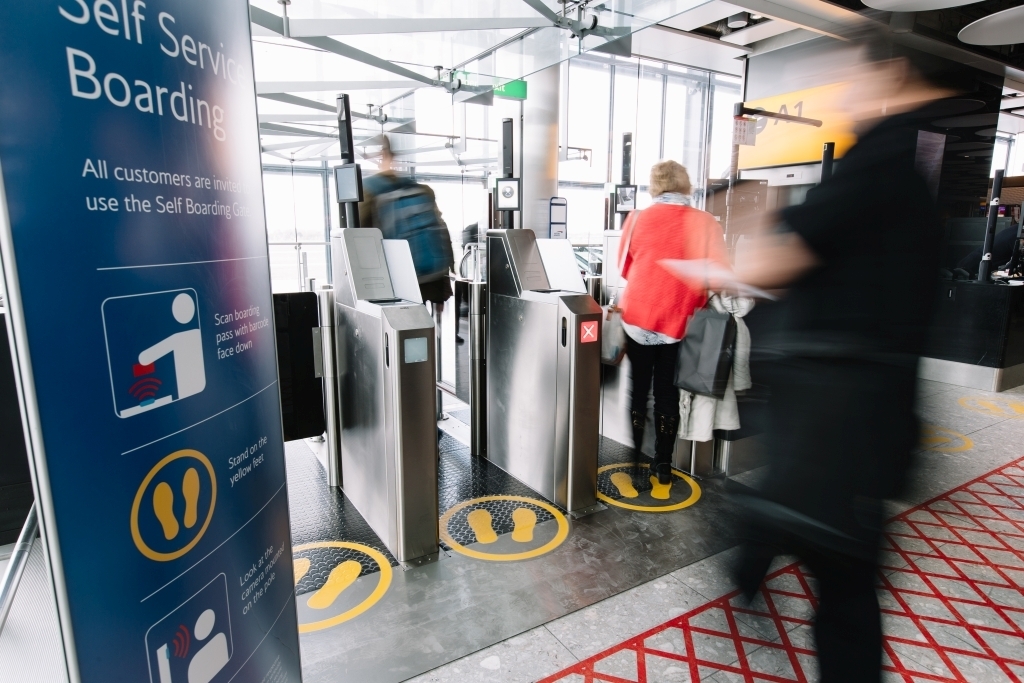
187	348
213	656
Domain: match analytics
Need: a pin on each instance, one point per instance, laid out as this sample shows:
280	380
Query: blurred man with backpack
404	209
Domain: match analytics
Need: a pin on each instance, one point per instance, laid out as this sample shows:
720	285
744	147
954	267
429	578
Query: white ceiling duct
702	15
761	31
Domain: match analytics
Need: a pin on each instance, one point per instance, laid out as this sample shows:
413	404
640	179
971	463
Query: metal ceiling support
586	25
278	25
294	118
294	145
303	102
320	86
464	162
313	104
278	129
419	150
310	28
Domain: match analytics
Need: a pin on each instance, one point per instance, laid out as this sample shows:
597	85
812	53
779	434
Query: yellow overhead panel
782	143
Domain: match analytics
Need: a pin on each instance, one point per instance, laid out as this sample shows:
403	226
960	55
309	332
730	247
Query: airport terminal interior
464	495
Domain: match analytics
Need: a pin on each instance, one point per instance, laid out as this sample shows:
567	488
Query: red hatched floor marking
951	589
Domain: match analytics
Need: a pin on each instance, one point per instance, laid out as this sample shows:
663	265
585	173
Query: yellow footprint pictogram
524	520
300	566
660	491
163	507
624	483
342	576
190	490
479	521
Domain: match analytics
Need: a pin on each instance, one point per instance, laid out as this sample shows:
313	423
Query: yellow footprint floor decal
190	490
624	483
342	576
163	507
479	521
660	491
525	520
301	566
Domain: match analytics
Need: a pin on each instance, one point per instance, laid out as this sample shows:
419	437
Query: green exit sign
513	90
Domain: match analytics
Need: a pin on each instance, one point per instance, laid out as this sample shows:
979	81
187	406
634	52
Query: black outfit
845	343
657	362
470	234
436	291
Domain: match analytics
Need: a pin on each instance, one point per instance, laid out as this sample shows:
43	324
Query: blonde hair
669	176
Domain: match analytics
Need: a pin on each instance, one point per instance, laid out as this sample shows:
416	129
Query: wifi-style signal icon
181	642
145	388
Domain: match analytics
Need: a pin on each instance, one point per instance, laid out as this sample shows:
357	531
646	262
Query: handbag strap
629	223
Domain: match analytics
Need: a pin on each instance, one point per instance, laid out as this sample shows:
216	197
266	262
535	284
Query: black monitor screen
349	183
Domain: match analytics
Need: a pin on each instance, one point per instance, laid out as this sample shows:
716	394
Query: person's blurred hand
773	259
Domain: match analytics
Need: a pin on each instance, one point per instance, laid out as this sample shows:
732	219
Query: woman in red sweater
656	306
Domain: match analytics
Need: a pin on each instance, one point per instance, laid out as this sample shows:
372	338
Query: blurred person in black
859	259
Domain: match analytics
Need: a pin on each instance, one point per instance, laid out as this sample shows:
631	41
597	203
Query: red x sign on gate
588	331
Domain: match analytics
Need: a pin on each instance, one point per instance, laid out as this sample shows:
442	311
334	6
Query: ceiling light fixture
915	5
1001	28
739	20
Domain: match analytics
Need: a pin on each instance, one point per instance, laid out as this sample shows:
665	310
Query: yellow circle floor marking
525	521
942	440
162	503
341	577
623	482
994	406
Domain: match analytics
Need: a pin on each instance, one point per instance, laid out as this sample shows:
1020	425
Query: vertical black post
507	170
985	267
616	219
828	153
349	211
627	157
506	149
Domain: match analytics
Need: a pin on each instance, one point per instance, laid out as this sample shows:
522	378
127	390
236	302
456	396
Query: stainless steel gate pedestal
386	384
543	374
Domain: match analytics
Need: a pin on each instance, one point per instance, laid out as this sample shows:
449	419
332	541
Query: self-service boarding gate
386	385
543	374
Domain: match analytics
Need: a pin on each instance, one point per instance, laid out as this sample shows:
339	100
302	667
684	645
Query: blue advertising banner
136	273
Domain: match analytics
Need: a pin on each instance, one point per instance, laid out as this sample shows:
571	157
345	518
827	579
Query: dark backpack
407	211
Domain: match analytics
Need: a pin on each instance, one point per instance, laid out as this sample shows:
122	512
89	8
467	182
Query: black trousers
848	625
658	363
840	438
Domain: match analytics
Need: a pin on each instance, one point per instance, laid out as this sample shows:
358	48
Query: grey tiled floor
997	439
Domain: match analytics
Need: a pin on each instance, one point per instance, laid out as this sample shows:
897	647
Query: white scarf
672	198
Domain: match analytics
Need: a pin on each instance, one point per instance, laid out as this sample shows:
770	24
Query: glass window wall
673	112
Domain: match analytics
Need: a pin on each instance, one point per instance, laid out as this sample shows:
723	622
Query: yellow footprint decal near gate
658	490
624	483
301	566
163	508
479	521
190	490
525	520
342	576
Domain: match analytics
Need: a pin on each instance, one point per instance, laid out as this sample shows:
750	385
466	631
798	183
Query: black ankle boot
664	445
638	420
